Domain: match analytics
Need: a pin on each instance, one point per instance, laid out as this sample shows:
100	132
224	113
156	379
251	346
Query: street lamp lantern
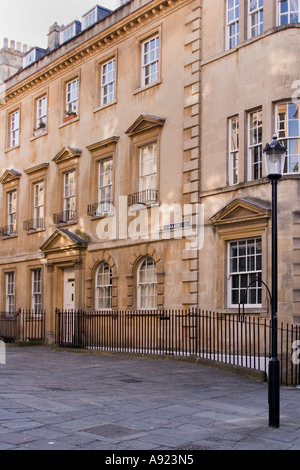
275	158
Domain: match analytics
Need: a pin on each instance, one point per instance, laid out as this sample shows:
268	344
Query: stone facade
257	74
164	113
61	257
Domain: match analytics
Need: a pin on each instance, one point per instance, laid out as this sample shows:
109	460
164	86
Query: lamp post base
274	392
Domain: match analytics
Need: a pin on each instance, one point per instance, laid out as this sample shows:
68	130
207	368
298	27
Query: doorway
69	304
69	289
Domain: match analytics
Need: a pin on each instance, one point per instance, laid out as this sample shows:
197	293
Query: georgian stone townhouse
132	169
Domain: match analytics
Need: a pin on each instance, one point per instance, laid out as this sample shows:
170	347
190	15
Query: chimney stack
53	36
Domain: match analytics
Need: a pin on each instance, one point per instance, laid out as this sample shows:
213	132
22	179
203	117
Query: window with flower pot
71	99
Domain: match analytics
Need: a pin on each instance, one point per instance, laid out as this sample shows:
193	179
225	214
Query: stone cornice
113	33
36	168
104	143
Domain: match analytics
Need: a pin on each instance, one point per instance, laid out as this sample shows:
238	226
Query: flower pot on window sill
69	117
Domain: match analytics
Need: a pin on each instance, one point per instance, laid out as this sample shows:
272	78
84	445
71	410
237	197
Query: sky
28	21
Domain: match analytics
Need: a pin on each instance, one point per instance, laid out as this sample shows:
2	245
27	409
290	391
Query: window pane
104	287
253	5
288	131
284	6
147	284
150	61
294	5
108	82
72	96
246	264
148	167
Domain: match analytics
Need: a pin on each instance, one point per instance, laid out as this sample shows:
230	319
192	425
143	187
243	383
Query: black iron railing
99	209
64	217
149	196
239	340
22	326
33	224
8	231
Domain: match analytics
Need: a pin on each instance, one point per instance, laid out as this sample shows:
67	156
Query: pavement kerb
242	371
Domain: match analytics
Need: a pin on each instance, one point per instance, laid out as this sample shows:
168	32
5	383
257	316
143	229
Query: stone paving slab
58	400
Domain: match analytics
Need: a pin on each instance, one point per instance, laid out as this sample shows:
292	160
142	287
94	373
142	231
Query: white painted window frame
108	82
233	153
147	290
249	273
257	129
103	288
257	11
150	60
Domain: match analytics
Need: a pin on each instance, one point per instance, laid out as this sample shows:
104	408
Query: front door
69	304
69	288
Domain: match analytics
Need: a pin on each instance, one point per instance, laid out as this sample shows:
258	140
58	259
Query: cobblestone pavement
57	400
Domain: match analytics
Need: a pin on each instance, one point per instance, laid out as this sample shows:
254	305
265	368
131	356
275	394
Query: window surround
40	129
36	289
12	211
232	22
150	60
251	267
36	222
144	131
101	285
233	150
255	145
72	97
141	252
39	206
67	160
10	291
285	129
72	117
92	282
257	11
99	64
143	286
98	73
101	151
225	240
105	187
148	157
288	13
70	193
142	40
240	219
9	217
108	80
138	145
10	144
36	175
10	181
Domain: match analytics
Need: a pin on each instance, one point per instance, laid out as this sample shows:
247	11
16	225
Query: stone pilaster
191	145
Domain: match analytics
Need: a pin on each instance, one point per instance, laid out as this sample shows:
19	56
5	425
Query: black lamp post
275	158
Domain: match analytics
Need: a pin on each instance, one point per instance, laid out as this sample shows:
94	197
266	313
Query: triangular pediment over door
62	241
